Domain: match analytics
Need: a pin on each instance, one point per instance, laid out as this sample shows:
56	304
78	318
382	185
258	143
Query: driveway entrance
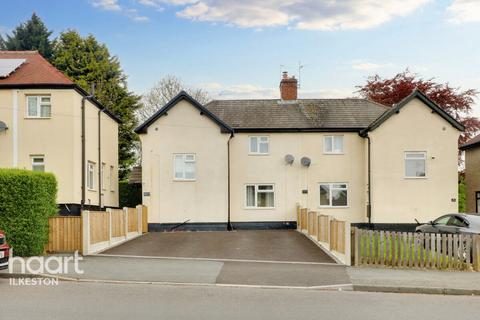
264	245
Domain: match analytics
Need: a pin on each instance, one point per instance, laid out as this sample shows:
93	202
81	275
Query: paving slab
265	245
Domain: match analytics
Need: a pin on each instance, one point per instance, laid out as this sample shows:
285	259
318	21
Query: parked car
4	251
453	223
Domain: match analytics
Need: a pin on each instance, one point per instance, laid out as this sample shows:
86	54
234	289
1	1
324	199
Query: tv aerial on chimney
283	67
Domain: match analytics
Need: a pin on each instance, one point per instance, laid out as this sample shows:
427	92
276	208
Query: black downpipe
229	223
100	166
82	202
369	205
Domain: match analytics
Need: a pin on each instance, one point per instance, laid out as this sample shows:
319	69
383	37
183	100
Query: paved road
205	271
119	301
271	245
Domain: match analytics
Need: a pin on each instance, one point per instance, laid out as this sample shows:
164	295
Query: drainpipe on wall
82	202
100	165
229	224
369	180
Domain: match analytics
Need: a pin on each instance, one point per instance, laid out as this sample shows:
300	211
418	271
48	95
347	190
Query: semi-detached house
48	123
249	163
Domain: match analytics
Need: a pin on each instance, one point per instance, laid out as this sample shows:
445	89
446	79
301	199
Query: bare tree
165	90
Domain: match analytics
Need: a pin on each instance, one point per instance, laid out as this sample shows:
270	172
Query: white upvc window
260	196
91	175
184	166
333	194
104	187
39	107
333	144
38	163
259	145
112	178
415	164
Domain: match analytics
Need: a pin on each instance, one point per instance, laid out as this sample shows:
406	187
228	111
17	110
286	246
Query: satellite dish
3	126
305	161
289	159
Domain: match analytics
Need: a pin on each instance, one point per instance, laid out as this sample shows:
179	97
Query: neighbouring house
472	174
249	163
44	116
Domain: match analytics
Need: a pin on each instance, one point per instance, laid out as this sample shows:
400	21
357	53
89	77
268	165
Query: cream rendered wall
396	199
6	115
184	130
57	138
109	153
290	180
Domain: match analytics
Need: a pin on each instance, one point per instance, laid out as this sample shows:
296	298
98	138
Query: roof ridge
19	51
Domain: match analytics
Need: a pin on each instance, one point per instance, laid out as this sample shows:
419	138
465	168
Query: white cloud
114	5
464	11
301	14
369	66
109	5
250	91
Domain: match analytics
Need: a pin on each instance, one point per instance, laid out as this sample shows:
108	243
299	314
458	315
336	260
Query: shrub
461	194
130	194
27	200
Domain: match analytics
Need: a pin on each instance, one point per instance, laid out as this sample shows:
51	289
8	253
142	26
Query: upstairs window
333	144
415	164
38	107
259	145
38	163
184	166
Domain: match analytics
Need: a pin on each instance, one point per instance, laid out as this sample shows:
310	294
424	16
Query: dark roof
274	115
37	73
472	143
299	115
182	96
415	94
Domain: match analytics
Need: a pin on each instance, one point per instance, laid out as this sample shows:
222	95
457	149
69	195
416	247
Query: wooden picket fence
416	250
330	234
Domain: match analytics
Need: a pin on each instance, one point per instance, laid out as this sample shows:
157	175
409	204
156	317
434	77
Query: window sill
91	190
415	178
259	154
259	208
334	153
37	118
333	207
184	180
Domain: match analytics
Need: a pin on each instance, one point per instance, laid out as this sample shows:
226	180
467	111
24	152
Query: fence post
109	212
299	218
125	217
476	252
348	243
139	219
86	232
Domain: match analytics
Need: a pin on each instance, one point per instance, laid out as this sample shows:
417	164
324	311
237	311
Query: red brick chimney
288	87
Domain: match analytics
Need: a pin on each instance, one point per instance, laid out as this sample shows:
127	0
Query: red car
4	251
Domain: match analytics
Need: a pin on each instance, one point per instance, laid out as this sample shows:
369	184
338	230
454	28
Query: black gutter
369	180
334	129
229	223
83	166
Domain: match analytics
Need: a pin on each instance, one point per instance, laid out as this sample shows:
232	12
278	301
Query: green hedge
130	194
27	200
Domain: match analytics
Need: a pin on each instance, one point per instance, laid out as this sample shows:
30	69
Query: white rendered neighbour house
248	163
44	116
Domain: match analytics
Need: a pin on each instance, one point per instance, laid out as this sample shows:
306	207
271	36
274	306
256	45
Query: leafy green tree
30	35
86	61
461	193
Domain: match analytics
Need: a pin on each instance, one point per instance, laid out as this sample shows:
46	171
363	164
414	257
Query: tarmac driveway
263	245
